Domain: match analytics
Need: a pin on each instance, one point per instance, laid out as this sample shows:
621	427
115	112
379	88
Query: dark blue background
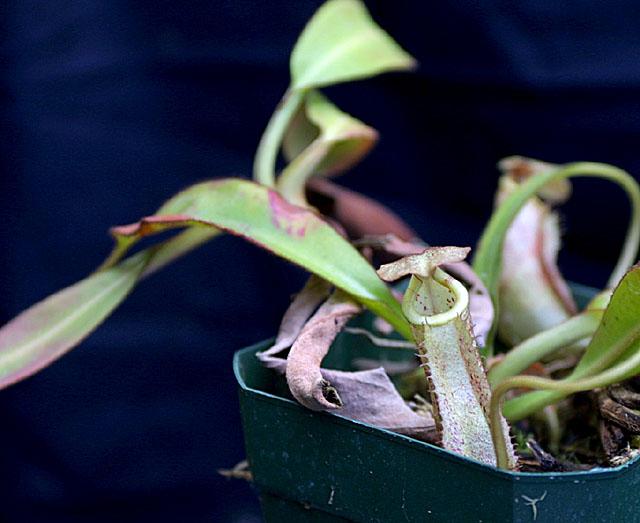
108	108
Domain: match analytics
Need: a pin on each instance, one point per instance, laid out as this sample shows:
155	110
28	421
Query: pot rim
594	474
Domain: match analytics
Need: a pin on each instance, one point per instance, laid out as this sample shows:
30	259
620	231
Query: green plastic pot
321	467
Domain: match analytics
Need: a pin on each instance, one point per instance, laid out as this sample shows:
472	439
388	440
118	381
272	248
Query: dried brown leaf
305	380
368	396
315	291
628	419
358	214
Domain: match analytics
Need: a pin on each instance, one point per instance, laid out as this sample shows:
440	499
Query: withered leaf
358	214
315	291
534	294
368	396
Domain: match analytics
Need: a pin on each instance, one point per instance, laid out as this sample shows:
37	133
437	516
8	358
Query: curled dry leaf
370	396
436	306
315	291
306	383
367	396
534	294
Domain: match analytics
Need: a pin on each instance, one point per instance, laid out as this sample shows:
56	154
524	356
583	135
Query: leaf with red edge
294	233
49	329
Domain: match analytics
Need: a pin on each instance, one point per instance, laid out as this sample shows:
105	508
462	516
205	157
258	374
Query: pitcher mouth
457	309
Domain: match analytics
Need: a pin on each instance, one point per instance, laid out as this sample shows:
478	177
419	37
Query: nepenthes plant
500	343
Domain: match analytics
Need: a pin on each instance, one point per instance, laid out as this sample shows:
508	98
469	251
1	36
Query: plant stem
264	164
615	374
488	259
293	179
554	428
537	347
520	407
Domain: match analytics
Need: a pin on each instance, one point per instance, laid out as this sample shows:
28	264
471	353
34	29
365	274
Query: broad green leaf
487	262
613	343
263	217
339	142
341	43
171	249
47	330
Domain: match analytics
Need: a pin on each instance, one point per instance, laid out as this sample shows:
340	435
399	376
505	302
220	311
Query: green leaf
52	327
318	119
621	316
47	330
613	343
169	250
342	43
339	142
263	217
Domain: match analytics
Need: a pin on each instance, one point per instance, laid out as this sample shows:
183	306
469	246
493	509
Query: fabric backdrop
108	108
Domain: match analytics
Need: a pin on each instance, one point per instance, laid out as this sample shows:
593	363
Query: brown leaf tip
519	169
149	224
